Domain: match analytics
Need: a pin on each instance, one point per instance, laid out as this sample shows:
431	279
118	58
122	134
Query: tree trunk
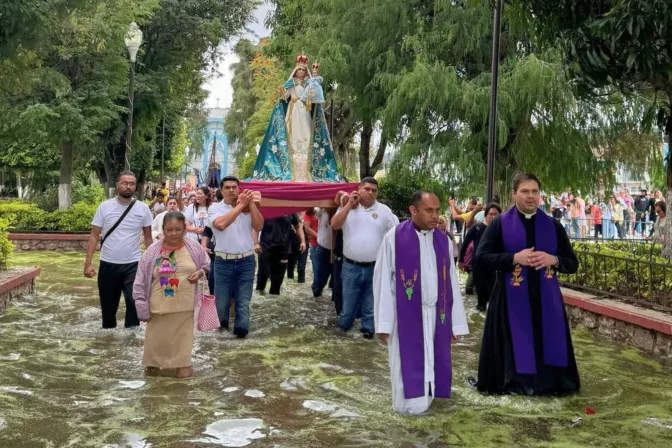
102	177
365	151
110	176
65	178
140	187
19	189
667	242
380	155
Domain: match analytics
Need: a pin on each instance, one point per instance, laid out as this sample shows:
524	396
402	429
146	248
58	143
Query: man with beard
120	221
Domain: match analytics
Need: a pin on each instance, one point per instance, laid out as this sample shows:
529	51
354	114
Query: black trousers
272	265
297	260
112	280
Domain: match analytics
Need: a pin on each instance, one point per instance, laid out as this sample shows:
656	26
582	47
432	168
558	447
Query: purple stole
554	331
409	313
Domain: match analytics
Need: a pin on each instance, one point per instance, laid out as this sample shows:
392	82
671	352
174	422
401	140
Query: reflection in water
64	382
234	432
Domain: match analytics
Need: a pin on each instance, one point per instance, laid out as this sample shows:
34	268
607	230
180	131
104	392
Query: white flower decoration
274	149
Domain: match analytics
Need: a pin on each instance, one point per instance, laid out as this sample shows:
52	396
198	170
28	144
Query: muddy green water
64	382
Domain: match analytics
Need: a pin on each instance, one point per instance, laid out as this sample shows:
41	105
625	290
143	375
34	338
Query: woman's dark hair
208	199
491	206
171	198
174	215
662	206
219	195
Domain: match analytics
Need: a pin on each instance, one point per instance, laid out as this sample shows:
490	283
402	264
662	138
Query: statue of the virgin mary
297	146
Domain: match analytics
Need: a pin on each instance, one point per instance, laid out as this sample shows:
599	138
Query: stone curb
48	237
645	318
26	277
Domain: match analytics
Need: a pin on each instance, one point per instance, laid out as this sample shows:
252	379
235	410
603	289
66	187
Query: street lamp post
133	41
163	144
492	124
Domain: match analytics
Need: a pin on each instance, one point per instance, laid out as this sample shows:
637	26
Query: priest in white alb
418	307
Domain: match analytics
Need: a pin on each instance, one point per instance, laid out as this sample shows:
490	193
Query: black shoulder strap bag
116	224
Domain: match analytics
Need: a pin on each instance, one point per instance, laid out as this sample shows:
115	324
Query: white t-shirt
157	225
195	218
159	208
123	245
324	231
364	230
235	239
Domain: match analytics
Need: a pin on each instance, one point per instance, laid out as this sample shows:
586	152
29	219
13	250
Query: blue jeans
357	291
311	254
608	228
337	294
576	229
211	278
321	270
234	279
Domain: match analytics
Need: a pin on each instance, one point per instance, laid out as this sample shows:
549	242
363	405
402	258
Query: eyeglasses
494	215
127	184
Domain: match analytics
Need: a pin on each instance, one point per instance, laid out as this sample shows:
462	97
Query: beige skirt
169	340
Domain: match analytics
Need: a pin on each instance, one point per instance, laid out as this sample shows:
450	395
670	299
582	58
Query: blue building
215	138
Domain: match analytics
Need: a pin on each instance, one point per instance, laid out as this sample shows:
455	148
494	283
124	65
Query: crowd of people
616	216
377	269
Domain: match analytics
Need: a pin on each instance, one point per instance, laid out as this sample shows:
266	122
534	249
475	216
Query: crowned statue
297	146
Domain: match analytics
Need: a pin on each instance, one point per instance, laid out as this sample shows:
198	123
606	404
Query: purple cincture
409	313
554	331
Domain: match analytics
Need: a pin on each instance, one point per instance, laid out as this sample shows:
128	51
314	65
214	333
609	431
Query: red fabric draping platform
284	198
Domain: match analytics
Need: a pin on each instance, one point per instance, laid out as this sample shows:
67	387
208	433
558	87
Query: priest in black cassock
527	347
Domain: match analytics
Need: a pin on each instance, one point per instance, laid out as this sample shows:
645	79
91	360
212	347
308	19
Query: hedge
6	246
22	215
635	271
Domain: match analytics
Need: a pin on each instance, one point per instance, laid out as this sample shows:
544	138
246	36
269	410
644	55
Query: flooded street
64	382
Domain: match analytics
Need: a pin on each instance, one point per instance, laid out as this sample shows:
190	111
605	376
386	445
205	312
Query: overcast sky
220	86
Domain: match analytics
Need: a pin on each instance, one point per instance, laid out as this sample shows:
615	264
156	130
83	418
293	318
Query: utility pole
492	125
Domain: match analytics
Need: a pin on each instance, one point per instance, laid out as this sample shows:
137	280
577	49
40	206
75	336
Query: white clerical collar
526	215
424	232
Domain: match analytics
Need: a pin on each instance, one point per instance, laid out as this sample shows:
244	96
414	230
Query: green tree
181	41
244	105
421	70
70	83
268	79
615	45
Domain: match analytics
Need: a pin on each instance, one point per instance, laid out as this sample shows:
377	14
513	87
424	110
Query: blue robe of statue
307	158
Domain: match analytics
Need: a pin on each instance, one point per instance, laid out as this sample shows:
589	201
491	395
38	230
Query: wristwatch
557	263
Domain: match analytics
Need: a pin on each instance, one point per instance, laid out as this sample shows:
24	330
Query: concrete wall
54	242
647	330
15	282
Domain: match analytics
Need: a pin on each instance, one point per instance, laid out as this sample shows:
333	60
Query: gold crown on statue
302	59
316	66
